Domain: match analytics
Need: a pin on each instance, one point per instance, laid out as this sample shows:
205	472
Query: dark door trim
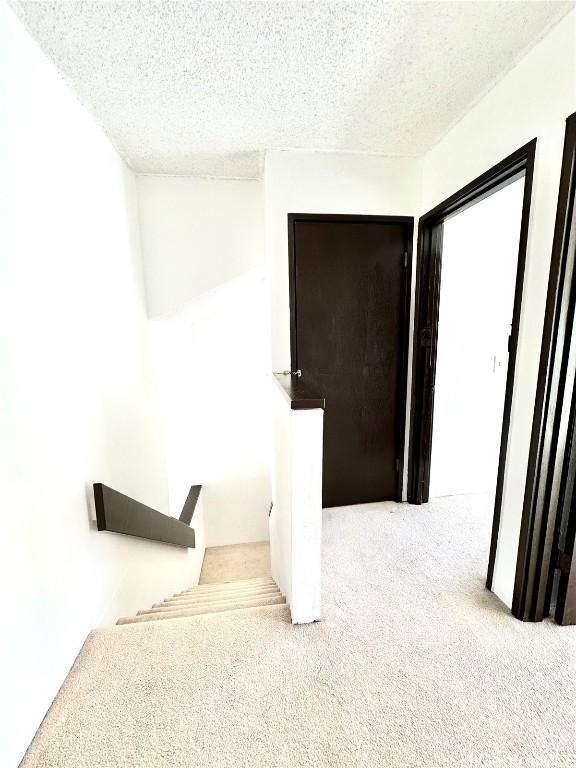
565	533
427	297
539	533
408	223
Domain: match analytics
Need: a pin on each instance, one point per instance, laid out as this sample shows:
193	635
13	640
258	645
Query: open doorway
479	292
475	321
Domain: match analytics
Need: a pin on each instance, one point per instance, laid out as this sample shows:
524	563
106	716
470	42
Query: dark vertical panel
538	545
404	343
512	352
349	305
190	504
429	346
424	361
566	598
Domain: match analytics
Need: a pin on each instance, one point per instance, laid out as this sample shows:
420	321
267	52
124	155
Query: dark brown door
349	333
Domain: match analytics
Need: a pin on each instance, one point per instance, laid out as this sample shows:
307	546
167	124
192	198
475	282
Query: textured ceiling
204	88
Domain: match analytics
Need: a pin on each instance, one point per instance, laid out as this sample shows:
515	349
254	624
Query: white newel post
296	517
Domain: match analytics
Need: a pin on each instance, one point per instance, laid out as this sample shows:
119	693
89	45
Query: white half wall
533	100
296	518
203	241
77	397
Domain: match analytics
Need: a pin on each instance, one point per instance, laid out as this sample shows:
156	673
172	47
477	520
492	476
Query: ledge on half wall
300	393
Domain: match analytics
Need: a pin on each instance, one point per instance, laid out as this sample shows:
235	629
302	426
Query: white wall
75	381
203	241
197	234
533	100
479	261
76	398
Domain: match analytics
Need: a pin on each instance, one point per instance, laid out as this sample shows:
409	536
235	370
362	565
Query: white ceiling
204	88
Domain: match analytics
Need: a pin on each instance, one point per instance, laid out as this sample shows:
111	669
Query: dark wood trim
351	217
300	393
538	544
408	223
428	276
499	176
424	356
292	218
404	343
565	534
122	514
190	504
512	352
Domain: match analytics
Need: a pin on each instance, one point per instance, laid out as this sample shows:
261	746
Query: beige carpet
414	664
211	598
236	561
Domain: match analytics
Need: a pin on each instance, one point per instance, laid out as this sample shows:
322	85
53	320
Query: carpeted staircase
212	598
414	665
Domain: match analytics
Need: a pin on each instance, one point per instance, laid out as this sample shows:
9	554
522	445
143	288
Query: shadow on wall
213	364
197	235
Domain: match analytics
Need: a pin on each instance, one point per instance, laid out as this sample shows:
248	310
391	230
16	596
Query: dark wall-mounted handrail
190	504
122	514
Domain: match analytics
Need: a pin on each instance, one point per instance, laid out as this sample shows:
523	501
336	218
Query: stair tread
205	599
254	580
231	585
181	613
208	595
139	621
215	603
219	595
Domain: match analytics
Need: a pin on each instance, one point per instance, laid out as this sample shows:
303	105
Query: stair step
225	595
231	585
223	591
158	614
213	604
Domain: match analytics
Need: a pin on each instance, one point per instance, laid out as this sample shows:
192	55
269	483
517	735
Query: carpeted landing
414	664
236	561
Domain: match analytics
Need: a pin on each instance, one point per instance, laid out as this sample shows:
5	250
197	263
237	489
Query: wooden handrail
119	513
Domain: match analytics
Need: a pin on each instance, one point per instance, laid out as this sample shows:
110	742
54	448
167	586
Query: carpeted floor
414	664
236	561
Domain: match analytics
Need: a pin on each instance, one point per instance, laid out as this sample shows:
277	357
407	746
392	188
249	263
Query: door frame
426	308
407	222
540	550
